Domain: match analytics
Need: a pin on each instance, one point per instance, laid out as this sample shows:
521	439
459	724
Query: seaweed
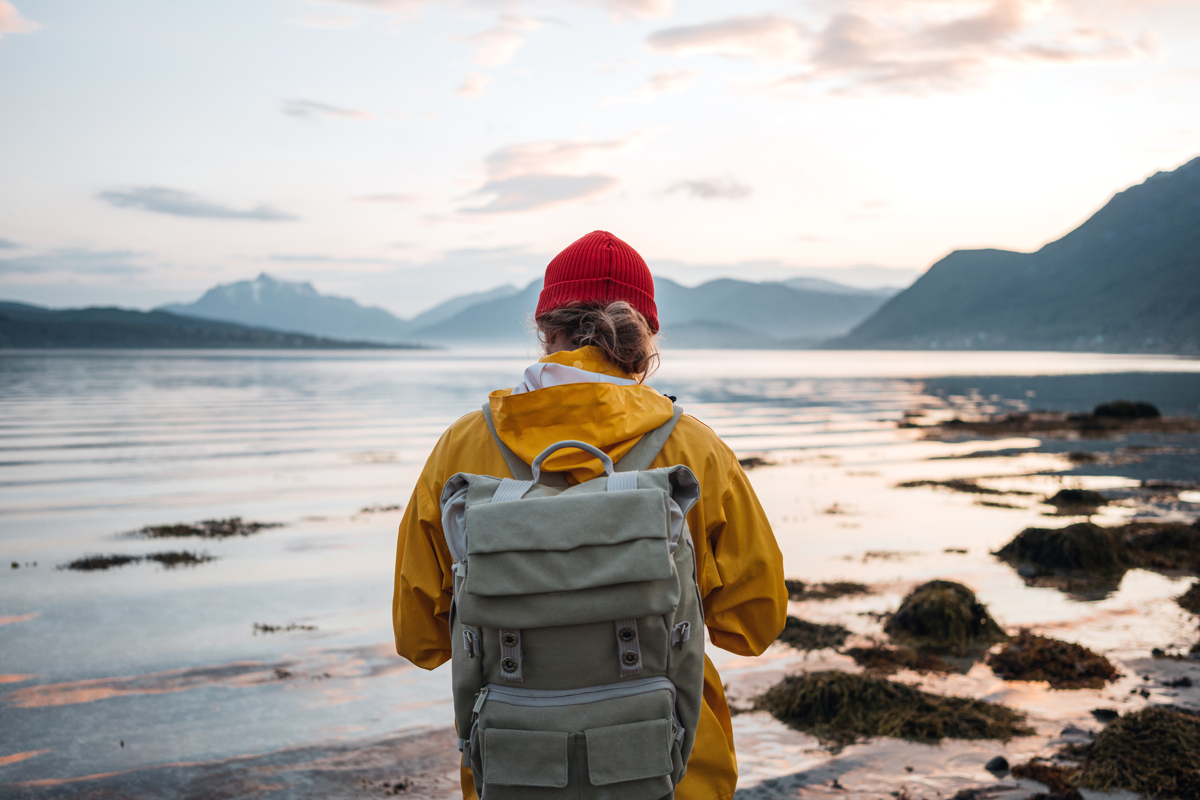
1190	600
960	485
1064	665
1155	751
1106	419
1124	409
93	562
207	529
1056	777
944	616
1084	500
889	660
799	590
1082	547
263	628
1170	546
180	558
804	635
754	461
169	559
840	708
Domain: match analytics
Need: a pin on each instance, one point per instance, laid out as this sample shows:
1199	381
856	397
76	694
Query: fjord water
140	665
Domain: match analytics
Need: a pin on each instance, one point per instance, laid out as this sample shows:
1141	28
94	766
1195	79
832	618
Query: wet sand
147	682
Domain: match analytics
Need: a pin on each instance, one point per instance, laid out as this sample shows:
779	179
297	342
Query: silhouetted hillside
1127	280
29	326
720	313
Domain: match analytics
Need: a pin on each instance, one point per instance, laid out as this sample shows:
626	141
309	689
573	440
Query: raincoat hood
611	416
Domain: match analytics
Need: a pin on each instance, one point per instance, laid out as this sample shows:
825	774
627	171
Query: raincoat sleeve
745	600
424	584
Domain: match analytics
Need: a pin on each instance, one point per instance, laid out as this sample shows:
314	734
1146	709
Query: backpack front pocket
613	742
524	758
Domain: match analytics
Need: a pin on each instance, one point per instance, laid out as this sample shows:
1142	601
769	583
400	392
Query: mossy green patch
840	708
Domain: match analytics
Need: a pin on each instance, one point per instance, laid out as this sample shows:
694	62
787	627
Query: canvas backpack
577	629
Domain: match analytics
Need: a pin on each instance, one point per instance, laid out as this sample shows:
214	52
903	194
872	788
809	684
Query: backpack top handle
536	466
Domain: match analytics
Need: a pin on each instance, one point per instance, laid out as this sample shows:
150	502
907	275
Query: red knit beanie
599	268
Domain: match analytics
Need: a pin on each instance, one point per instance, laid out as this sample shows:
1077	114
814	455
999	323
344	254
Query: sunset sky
404	151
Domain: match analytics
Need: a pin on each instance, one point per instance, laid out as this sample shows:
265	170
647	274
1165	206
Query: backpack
576	626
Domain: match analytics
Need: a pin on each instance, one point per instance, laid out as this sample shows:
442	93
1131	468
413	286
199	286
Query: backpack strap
642	455
639	458
520	470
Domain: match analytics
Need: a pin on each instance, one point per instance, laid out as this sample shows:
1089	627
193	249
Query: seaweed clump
92	562
1155	751
169	559
1064	665
1190	600
207	529
799	590
889	660
959	485
1077	500
1124	409
840	708
944	616
804	635
1059	779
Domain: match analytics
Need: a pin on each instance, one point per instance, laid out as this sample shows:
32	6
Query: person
597	320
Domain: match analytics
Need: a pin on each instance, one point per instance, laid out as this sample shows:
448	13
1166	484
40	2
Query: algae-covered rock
1124	409
1190	600
1155	752
804	635
839	708
943	616
1077	500
1064	665
1081	548
1170	546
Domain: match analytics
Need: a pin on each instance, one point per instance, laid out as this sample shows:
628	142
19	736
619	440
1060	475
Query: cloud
79	261
406	8
658	85
185	204
497	45
8	244
909	46
11	20
529	192
765	37
542	157
308	109
713	189
474	86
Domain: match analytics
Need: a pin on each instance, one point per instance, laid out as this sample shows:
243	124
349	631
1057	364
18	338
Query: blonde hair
618	329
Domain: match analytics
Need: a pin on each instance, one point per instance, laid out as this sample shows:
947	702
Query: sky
402	152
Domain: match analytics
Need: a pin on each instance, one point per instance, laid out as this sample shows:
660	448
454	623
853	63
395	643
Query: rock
997	766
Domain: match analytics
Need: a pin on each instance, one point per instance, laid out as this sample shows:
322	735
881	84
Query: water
122	669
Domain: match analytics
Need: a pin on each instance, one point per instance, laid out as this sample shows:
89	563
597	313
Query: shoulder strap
639	458
520	470
645	451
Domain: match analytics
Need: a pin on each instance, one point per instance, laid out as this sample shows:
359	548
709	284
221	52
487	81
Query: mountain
30	326
267	302
1126	280
829	287
720	313
455	305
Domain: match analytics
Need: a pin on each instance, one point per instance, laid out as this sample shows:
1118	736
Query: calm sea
112	670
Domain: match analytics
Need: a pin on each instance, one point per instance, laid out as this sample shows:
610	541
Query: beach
230	662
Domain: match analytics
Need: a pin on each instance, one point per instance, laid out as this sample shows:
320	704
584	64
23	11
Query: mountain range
1126	280
720	313
29	326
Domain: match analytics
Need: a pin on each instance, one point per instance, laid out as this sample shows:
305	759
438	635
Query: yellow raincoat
740	568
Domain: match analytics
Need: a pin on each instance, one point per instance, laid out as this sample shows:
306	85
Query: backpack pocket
612	742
